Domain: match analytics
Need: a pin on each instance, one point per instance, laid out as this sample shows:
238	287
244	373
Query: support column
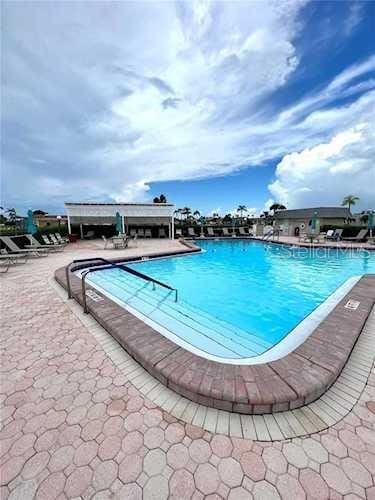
172	228
81	231
123	224
69	226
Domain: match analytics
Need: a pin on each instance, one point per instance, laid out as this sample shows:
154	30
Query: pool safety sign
352	304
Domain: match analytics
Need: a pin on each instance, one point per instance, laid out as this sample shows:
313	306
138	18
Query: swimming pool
238	299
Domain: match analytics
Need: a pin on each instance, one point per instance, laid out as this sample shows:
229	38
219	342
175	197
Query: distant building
101	217
294	222
44	221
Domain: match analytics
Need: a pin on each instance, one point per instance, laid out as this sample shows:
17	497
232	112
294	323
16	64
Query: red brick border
293	381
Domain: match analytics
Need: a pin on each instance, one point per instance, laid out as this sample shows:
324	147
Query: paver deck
75	426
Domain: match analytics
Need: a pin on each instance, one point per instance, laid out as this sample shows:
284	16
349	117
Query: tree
178	213
12	215
196	214
241	209
277	206
39	212
186	211
227	218
160	199
349	200
364	218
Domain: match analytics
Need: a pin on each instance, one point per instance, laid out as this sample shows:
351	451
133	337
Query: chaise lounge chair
361	236
226	232
4	263
19	258
61	239
54	240
242	231
15	249
48	246
89	235
148	233
141	233
210	232
191	232
133	232
162	233
336	236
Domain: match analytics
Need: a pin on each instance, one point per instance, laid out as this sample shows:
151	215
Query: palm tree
187	212
196	214
241	209
162	199
12	215
349	200
277	206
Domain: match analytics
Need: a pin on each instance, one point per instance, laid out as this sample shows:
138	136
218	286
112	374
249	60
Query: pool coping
286	384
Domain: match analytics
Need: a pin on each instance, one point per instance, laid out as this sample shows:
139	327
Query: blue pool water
236	298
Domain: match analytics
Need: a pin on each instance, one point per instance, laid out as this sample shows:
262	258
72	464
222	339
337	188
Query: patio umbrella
370	222
30	226
314	223
118	223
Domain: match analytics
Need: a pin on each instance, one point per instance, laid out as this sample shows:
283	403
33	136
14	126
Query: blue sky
214	104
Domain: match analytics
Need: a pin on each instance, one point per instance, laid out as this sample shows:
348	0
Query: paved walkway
73	426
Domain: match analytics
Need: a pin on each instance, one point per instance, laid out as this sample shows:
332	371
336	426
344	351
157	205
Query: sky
214	104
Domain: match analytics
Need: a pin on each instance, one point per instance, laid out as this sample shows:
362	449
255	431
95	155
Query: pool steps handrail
275	232
110	265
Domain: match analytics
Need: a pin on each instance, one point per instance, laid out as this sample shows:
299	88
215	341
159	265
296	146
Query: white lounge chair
361	236
34	243
4	263
61	239
15	249
210	231
54	240
148	233
191	232
105	241
226	232
141	232
336	236
162	233
19	258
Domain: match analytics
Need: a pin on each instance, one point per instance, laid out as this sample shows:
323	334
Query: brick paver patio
73	426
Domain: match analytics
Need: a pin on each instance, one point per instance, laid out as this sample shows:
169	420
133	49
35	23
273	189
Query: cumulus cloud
329	171
100	101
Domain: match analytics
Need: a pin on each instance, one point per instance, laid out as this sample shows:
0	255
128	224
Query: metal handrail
110	265
272	233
